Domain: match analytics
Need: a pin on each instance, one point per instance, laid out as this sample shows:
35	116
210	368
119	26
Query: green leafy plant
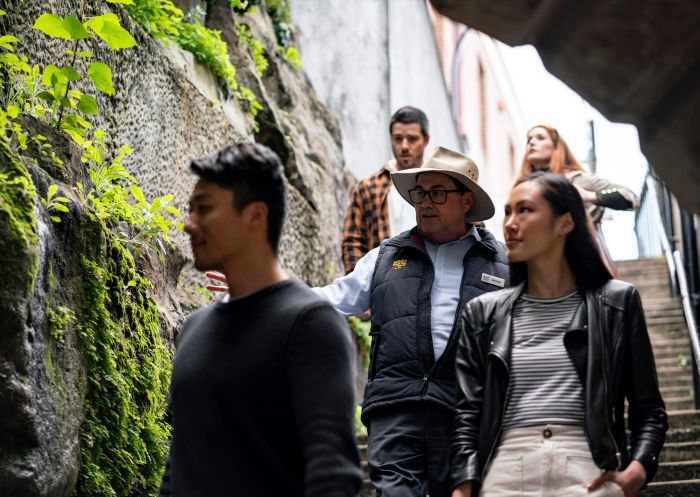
58	80
54	204
360	330
291	55
59	319
116	198
255	48
208	48
360	428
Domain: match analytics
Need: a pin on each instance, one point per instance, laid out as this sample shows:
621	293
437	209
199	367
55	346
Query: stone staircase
679	469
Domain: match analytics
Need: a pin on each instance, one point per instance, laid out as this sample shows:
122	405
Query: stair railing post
667	219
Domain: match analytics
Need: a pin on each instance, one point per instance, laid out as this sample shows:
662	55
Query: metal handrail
687	308
663	236
676	269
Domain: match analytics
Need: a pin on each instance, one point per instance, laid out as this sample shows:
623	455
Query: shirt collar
472	232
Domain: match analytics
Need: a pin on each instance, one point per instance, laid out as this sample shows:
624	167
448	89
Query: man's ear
468	201
426	140
256	214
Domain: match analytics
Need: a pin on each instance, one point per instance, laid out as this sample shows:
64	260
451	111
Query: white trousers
544	461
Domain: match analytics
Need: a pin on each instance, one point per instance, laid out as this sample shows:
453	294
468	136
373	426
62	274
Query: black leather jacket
609	346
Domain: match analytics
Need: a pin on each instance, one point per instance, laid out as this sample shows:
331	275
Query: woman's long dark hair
581	248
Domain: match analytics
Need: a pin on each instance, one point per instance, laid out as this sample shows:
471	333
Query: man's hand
215	275
630	480
463	490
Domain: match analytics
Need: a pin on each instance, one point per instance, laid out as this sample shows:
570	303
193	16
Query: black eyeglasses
436	196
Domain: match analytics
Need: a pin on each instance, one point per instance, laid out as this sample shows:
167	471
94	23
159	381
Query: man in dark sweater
262	385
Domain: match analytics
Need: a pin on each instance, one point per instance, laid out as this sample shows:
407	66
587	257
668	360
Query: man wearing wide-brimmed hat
415	284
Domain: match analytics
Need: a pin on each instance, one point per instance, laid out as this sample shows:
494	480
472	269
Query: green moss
19	243
124	433
360	331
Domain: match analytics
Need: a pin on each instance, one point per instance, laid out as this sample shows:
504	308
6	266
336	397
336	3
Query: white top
402	215
350	294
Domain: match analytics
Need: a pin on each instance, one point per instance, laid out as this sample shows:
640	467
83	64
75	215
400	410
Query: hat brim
482	207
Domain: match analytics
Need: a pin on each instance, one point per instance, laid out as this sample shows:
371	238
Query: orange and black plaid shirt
367	219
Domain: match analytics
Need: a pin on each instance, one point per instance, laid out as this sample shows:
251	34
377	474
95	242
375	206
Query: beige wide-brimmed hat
458	167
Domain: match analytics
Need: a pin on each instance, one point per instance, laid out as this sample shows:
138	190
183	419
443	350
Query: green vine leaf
51	191
86	55
138	195
75	28
13	111
51	25
88	105
123	2
108	28
101	75
47	96
5	41
70	73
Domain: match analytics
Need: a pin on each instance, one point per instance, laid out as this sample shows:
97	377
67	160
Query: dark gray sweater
263	400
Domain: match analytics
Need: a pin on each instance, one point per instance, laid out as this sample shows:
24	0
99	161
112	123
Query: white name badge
493	280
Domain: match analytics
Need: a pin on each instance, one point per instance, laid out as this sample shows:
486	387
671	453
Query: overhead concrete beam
636	62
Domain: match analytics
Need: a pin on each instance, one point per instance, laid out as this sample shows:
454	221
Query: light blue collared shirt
350	294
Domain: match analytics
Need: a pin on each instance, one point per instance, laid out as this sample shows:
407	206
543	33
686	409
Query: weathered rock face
65	284
170	110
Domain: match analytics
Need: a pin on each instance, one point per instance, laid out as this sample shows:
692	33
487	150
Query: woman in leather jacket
544	367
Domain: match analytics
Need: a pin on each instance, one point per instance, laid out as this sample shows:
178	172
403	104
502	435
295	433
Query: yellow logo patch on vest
399	263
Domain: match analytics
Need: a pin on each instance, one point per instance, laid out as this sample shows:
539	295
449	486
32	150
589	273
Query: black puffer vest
402	361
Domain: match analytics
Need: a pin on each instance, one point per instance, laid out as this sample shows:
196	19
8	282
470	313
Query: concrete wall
367	58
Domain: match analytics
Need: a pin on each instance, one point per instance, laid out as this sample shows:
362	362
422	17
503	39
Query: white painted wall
492	125
499	156
367	58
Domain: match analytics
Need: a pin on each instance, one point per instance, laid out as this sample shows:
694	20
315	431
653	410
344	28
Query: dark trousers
408	450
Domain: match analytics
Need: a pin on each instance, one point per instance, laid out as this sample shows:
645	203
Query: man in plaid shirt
376	210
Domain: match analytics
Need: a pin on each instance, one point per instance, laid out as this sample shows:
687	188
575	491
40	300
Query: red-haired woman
547	151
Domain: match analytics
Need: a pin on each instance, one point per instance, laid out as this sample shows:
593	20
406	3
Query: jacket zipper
452	336
503	413
618	454
419	345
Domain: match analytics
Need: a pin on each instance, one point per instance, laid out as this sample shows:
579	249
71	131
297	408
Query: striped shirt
544	386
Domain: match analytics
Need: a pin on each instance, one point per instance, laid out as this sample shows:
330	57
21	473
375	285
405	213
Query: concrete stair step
672	360
679	404
685	434
671	352
680	381
680	470
665	318
684	419
674	343
680	451
673	371
676	391
683	488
